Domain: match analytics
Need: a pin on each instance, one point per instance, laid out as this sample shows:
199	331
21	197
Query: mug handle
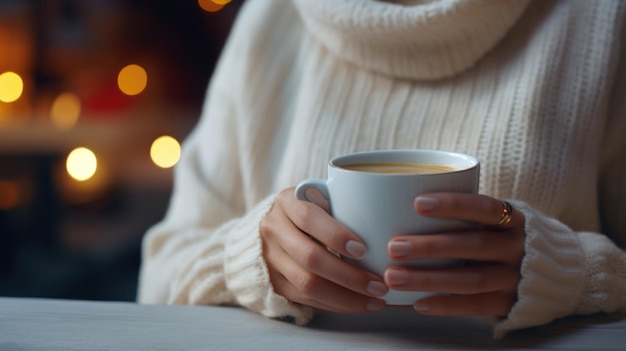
317	184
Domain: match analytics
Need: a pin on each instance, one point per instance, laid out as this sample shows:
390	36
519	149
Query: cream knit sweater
533	89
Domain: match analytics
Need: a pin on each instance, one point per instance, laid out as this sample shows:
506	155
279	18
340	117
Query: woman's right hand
298	237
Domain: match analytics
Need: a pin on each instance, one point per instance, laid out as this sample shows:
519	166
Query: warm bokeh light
165	151
11	86
132	79
81	164
212	5
65	111
9	195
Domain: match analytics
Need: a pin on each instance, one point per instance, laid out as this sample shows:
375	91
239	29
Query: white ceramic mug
379	206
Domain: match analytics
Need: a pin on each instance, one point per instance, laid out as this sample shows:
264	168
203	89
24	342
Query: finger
476	208
309	255
303	286
317	198
468	245
318	260
291	293
457	280
283	287
295	284
497	303
316	222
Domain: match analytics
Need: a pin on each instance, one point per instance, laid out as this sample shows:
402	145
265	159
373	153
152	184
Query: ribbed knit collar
410	38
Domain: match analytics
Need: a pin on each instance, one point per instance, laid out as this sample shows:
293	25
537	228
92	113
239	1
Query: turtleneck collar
427	39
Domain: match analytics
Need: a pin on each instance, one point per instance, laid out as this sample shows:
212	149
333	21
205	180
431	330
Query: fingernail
377	288
374	305
355	249
421	306
399	248
396	277
426	203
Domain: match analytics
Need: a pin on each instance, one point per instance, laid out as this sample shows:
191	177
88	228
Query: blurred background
95	98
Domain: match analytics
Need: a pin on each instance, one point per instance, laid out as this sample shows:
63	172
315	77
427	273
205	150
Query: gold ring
507	211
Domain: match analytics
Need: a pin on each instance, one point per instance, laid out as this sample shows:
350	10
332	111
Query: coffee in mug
399	168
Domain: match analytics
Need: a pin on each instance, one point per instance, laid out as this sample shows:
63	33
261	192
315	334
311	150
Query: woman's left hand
487	284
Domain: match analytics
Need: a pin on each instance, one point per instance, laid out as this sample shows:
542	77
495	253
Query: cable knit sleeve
188	263
567	272
564	273
207	249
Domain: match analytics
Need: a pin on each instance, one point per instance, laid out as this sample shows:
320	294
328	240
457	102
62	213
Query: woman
532	89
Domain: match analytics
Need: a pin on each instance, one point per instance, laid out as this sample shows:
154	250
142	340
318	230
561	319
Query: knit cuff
552	273
605	274
247	276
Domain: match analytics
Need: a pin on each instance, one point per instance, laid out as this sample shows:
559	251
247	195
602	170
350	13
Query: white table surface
62	325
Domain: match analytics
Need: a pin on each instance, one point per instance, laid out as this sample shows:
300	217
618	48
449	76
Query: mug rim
339	162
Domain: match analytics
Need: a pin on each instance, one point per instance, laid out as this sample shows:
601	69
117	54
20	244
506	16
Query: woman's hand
487	284
298	237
